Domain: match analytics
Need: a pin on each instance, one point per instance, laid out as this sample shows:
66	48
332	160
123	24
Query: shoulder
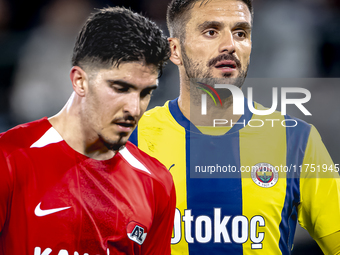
157	112
23	136
297	132
291	123
156	119
150	166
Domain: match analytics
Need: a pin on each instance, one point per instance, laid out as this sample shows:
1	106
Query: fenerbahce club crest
264	175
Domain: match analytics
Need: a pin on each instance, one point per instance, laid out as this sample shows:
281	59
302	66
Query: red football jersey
54	200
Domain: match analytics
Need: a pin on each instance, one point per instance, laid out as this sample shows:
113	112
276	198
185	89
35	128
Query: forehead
227	11
131	72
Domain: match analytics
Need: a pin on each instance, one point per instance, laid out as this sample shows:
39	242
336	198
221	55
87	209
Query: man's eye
146	93
210	32
120	89
241	34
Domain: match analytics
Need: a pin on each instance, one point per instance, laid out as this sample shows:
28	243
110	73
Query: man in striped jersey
234	195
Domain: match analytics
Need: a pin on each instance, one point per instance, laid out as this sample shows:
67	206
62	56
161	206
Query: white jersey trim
132	160
51	136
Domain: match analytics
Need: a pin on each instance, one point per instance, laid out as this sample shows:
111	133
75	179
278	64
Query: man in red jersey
72	184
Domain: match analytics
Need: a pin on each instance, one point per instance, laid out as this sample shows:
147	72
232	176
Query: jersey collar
185	123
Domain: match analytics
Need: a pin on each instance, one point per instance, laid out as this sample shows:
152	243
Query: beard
195	71
197	74
114	145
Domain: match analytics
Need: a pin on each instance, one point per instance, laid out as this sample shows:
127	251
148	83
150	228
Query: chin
115	144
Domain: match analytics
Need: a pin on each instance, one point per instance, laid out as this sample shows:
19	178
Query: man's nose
132	105
227	43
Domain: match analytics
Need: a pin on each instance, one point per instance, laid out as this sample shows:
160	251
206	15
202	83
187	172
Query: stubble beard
195	75
108	138
120	139
114	145
194	70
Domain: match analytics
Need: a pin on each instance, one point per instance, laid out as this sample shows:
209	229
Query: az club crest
136	232
264	175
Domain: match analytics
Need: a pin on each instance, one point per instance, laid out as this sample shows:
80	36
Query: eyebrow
209	24
243	25
130	85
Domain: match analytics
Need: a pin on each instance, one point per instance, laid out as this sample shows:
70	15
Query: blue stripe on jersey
244	118
134	137
204	150
297	138
178	115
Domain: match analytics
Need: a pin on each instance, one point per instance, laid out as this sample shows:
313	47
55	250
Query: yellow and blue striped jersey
243	192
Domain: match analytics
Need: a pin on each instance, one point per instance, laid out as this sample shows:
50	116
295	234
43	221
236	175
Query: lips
226	64
125	126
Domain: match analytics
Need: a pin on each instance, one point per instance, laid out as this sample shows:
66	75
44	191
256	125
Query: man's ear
175	48
79	80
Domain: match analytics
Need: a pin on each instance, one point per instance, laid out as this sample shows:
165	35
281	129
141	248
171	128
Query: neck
69	123
190	105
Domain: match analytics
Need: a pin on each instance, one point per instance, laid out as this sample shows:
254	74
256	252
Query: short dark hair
177	14
114	35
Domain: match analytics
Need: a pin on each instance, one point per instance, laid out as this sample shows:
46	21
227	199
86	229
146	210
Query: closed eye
147	92
120	89
119	86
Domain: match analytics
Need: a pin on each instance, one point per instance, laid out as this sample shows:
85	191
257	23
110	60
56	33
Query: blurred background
291	39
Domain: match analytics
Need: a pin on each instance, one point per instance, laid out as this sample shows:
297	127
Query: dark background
291	39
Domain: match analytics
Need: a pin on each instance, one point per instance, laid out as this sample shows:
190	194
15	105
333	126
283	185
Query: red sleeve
158	240
5	189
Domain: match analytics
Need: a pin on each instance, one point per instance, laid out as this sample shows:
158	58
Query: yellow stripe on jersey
213	130
272	199
254	150
170	138
319	171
